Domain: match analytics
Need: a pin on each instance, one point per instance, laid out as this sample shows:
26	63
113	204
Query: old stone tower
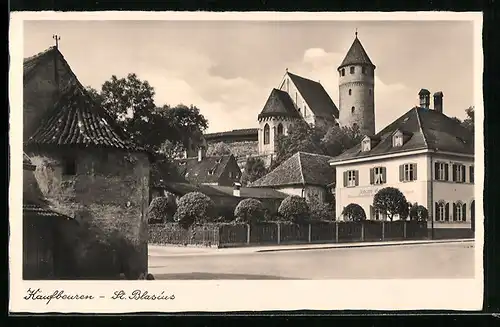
356	89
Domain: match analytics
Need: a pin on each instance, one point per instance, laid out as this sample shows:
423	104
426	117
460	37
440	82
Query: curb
347	246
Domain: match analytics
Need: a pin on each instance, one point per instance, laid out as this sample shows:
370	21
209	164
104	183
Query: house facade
428	156
87	168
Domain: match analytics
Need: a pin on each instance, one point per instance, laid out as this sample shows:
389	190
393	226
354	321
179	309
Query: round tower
356	89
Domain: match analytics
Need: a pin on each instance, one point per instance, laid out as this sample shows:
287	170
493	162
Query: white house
425	154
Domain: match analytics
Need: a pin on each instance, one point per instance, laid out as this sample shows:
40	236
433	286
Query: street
442	260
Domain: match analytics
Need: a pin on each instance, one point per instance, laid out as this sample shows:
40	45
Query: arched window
459	211
352	70
280	129
352	110
266	134
441	211
350	92
342	72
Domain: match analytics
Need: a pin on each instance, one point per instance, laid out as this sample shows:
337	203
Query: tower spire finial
356	33
57	38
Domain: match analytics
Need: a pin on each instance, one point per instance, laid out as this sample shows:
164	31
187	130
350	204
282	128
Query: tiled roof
164	171
76	119
279	104
208	170
244	134
300	169
425	128
315	96
253	192
356	55
42	211
30	63
180	189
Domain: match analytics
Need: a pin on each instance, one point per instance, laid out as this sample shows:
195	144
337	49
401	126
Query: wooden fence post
336	232
279	233
362	231
383	230
248	233
309	235
404	230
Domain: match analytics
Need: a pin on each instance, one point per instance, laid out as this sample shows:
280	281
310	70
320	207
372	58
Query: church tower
356	89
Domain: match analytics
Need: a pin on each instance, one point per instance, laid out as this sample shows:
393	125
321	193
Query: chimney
425	98
438	101
201	153
236	189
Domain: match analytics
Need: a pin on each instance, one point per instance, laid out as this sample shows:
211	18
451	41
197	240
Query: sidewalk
168	250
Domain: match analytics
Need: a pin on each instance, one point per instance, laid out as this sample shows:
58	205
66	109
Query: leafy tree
194	207
320	210
418	212
219	149
249	211
254	169
468	122
294	209
353	212
338	139
161	210
391	201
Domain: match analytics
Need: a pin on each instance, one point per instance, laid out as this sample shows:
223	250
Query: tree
161	210
254	169
194	207
319	210
468	122
353	212
418	212
294	209
219	149
338	139
249	211
391	201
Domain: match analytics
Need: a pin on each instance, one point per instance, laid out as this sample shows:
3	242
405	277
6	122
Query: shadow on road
210	276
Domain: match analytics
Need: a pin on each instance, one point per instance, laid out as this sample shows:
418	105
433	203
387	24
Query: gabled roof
76	119
356	55
300	169
208	170
279	104
426	129
165	171
315	96
252	192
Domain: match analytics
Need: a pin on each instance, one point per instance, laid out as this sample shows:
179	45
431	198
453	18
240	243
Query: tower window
342	72
352	110
280	129
350	92
363	70
352	70
266	134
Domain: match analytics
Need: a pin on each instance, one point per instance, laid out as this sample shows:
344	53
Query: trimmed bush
161	210
249	211
392	201
194	207
418	212
320	210
353	212
294	209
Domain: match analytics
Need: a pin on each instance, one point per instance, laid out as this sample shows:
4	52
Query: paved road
447	260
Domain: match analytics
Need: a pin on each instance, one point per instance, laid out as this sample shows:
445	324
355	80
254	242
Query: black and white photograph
245	151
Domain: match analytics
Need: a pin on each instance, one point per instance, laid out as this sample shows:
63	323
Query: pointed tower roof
279	104
356	55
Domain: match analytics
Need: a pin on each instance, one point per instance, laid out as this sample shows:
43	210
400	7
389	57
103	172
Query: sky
228	68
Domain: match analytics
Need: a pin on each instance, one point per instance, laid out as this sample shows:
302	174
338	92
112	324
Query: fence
273	233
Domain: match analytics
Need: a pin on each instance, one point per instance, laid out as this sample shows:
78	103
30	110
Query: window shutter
436	211
447	212
471	174
436	171
401	173
414	172
464	212
356	176
453	173
372	177
372	212
345	178
463	174
446	171
384	175
454	212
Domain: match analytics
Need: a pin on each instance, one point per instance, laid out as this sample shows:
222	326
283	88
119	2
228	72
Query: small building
425	154
210	170
304	174
87	167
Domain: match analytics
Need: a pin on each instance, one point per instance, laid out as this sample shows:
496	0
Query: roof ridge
301	170
421	127
315	154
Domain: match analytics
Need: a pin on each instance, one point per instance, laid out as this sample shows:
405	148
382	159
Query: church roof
315	96
300	169
356	55
279	104
425	129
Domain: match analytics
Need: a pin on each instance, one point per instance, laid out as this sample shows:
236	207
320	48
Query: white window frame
378	215
378	176
366	145
441	171
442	212
457	167
459	212
398	140
408	172
351	178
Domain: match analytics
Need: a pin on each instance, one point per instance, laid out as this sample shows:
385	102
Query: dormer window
366	144
397	140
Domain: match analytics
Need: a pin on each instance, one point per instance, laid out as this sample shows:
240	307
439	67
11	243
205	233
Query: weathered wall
109	197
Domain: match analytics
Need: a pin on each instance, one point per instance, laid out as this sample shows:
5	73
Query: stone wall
108	196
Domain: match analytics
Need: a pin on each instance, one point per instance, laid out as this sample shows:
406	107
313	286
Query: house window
408	172
350	92
378	214
459	211
442	211
471	174
378	176
342	72
366	145
280	129
69	166
441	171
458	173
398	140
352	70
266	134
352	110
351	178
363	70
